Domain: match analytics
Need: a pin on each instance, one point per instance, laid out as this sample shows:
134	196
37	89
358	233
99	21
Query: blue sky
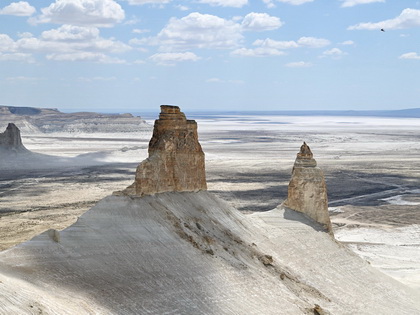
133	55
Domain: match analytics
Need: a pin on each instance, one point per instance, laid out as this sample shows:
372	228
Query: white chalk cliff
192	253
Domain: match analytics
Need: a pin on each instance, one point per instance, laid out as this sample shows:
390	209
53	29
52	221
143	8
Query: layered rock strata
307	191
176	160
10	140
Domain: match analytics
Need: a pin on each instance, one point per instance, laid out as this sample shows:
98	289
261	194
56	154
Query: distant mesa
50	120
10	140
307	191
176	159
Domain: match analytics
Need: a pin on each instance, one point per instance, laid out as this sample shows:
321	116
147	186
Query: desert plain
371	165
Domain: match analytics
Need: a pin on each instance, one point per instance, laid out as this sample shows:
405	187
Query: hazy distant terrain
372	168
47	120
401	113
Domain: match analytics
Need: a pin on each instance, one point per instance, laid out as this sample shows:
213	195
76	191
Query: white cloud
226	3
313	42
257	52
335	53
71	33
270	47
298	64
9	51
196	30
98	13
17	57
182	7
141	2
7	44
143	41
85	56
347	43
205	31
260	22
407	19
310	42
69	38
410	55
25	35
168	59
67	42
21	8
352	3
133	21
140	31
270	43
270	3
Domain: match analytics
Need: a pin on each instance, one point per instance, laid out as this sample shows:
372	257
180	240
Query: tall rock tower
10	140
307	190
176	160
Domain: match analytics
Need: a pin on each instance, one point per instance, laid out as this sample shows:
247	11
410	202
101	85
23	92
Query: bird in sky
382	30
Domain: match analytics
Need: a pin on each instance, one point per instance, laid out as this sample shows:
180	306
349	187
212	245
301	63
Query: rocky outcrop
307	190
10	140
176	160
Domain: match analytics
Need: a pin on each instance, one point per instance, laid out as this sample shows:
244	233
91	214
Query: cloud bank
352	3
21	8
97	13
408	18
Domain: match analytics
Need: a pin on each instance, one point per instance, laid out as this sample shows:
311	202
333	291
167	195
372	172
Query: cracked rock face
10	140
176	160
307	190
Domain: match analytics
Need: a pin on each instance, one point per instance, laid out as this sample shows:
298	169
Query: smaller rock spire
307	191
10	140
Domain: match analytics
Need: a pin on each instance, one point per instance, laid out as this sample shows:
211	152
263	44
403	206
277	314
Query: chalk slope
191	253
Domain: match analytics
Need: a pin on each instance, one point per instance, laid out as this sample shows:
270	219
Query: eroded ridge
307	191
176	159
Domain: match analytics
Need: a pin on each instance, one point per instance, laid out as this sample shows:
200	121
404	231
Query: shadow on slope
182	253
252	199
292	215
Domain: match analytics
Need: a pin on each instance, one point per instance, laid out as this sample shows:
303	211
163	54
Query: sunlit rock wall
176	160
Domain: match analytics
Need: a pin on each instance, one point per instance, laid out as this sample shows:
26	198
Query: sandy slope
191	253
